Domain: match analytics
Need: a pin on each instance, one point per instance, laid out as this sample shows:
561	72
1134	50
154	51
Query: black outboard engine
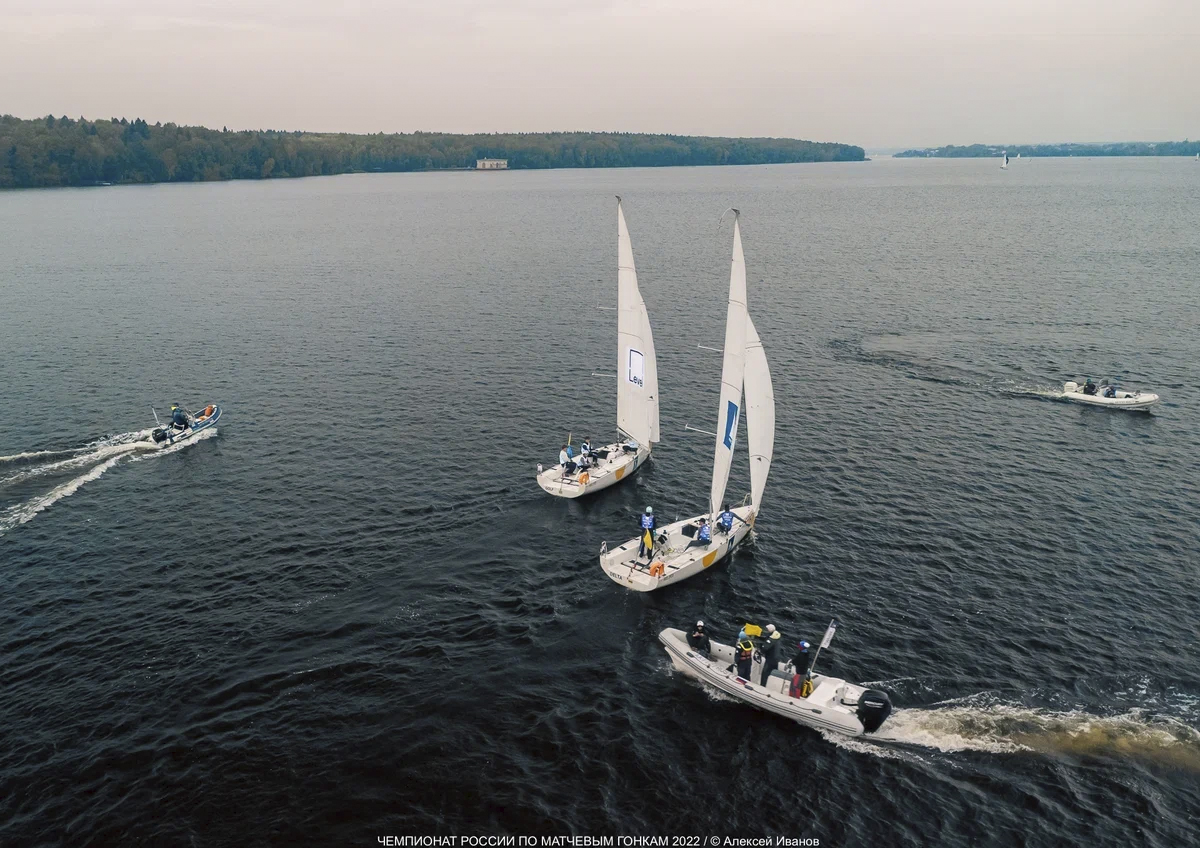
158	435
873	709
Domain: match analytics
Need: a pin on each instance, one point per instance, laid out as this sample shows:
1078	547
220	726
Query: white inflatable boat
1109	395
172	433
833	703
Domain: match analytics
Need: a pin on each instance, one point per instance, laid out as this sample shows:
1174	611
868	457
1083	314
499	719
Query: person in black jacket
802	658
698	639
770	652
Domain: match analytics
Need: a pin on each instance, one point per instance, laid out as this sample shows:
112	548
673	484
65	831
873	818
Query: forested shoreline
78	152
1116	148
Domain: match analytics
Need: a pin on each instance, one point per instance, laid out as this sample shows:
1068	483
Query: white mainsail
637	370
760	413
732	370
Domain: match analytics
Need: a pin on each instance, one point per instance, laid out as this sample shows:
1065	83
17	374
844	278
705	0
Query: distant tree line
75	152
1120	148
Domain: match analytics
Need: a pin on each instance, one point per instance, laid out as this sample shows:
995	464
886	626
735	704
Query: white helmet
649	510
770	628
699	623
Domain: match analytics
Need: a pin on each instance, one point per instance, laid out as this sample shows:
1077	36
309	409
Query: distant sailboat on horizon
1004	165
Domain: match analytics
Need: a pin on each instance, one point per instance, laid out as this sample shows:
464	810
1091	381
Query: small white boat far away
678	552
1108	394
832	703
1004	164
637	392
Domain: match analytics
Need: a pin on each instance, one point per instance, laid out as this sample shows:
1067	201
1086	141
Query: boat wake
49	467
885	352
1008	729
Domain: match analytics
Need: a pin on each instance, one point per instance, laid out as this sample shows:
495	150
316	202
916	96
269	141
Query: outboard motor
158	435
1070	386
873	709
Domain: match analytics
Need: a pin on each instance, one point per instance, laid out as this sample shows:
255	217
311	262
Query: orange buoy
657	569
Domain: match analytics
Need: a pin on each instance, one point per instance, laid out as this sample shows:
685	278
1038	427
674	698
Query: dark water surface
352	612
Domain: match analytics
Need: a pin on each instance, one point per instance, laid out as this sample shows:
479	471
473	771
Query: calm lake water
352	612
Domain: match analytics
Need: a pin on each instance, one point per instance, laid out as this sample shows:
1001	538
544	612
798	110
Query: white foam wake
178	446
19	514
101	455
78	461
1007	729
30	455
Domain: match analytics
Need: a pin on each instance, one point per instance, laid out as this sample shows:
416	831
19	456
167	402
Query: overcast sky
877	73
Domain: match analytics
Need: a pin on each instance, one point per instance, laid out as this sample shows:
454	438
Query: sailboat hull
620	465
678	556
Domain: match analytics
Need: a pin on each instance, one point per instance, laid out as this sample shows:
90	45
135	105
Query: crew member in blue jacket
703	535
725	520
648	524
178	417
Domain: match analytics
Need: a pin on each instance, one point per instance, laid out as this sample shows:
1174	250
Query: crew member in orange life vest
745	657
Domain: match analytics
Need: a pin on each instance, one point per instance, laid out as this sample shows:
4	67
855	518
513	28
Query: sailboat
677	553
1004	167
637	391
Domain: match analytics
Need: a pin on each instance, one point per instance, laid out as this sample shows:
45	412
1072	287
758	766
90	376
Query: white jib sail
732	370
760	413
637	371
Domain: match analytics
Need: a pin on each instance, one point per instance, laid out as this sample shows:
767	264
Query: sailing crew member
703	535
698	639
725	520
564	459
586	459
178	417
745	657
1089	388
770	652
802	658
648	525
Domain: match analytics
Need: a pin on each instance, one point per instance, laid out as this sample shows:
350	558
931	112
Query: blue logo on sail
731	418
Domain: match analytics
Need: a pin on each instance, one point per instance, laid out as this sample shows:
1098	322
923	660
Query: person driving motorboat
179	418
1089	388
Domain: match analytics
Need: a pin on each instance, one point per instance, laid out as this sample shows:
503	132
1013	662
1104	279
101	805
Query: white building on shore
491	164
